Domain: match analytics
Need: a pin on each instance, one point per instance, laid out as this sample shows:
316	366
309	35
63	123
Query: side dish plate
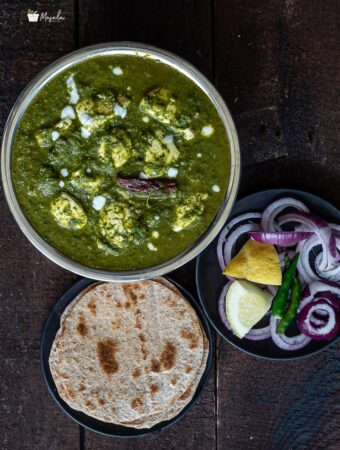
209	279
49	333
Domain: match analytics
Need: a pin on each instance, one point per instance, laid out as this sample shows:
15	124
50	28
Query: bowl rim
60	65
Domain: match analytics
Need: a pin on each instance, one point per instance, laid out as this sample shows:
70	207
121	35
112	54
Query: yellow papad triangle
256	262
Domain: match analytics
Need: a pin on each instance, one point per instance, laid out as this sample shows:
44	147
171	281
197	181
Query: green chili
293	306
287	262
281	297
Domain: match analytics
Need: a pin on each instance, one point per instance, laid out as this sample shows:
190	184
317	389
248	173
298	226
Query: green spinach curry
120	162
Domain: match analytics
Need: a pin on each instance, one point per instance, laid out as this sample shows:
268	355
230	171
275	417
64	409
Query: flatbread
187	396
131	354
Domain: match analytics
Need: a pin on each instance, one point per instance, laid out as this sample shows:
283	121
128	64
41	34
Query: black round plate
210	280
49	332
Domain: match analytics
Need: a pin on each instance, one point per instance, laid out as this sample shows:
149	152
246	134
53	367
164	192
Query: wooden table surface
277	64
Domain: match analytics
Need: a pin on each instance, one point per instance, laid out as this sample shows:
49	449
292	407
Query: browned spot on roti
133	422
138	324
142	296
81	388
191	337
154	388
143	349
116	324
70	392
172	302
173	381
101	402
118	304
129	291
137	311
64	375
92	306
127	305
90	405
90	369
136	373
185	395
181	313
81	327
155	365
188	369
136	402
106	352
168	356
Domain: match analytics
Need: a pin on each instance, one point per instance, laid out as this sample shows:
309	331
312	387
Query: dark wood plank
29	284
183	27
277	405
276	66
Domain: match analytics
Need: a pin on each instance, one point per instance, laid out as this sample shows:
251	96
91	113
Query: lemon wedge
256	262
245	304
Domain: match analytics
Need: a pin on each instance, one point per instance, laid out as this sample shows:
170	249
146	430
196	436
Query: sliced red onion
317	322
220	244
330	298
331	274
269	214
255	334
323	333
242	218
322	229
286	342
304	267
221	305
258	334
282	238
228	228
335	227
323	286
318	289
233	238
272	290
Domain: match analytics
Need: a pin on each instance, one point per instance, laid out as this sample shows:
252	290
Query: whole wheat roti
144	362
178	403
184	398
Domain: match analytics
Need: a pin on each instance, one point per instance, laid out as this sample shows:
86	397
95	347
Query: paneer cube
189	212
67	212
160	105
117	224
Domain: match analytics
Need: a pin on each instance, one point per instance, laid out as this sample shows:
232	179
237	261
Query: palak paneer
121	162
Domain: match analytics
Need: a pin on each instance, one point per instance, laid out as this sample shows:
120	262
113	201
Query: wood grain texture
181	26
280	61
276	64
277	405
29	284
